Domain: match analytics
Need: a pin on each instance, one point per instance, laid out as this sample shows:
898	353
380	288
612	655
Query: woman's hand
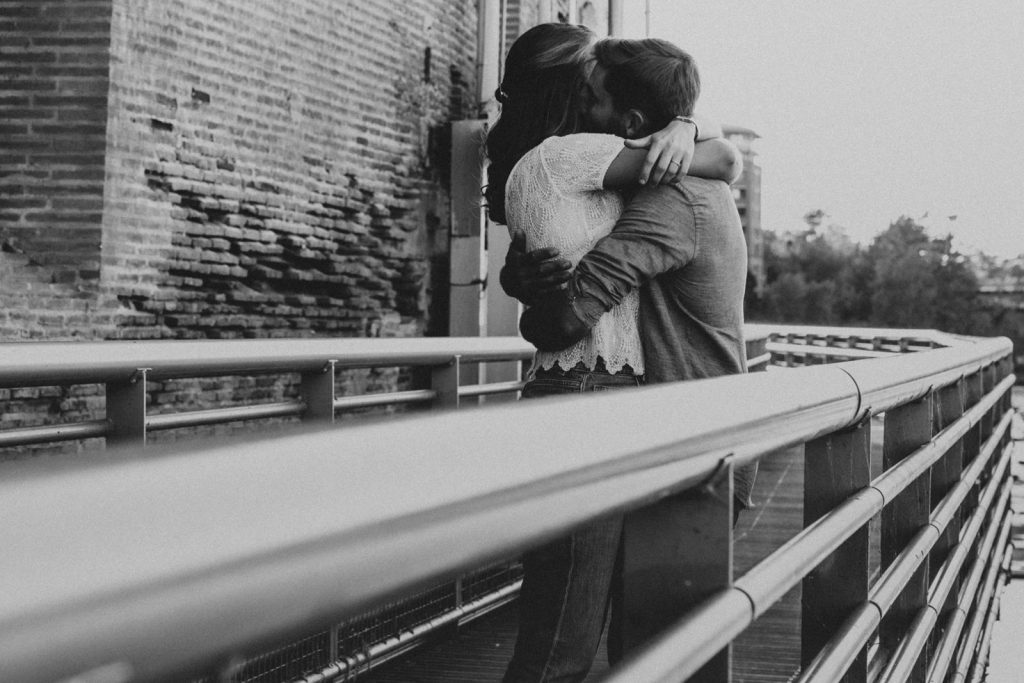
669	153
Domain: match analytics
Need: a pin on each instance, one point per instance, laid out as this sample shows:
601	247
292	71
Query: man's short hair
651	75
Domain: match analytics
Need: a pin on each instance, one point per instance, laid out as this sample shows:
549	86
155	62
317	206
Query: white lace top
555	196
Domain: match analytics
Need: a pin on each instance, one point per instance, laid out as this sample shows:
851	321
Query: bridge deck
768	651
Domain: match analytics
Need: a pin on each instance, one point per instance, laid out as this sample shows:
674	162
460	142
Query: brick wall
270	165
225	168
53	113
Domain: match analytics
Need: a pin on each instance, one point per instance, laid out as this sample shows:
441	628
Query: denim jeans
567	582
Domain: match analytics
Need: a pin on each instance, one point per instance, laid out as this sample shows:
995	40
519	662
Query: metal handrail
232	566
27	364
127	367
950	639
706	631
194	418
53	433
907	336
833	661
134	363
826	351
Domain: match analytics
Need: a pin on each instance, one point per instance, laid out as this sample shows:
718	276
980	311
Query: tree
905	278
804	275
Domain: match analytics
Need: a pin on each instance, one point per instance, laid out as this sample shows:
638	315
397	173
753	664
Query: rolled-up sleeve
655	234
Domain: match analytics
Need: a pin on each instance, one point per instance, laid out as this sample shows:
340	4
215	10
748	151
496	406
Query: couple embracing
632	263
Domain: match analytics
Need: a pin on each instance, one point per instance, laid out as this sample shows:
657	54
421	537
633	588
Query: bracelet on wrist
687	119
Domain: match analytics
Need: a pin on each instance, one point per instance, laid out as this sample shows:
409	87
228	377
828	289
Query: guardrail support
835	467
973	392
675	553
318	394
946	472
444	380
907	428
988	383
126	409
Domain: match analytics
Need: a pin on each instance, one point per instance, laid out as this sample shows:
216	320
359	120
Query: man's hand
528	276
552	324
669	153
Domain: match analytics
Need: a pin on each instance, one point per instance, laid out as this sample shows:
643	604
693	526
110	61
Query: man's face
599	115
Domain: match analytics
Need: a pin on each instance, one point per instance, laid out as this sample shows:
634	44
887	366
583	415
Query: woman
557	187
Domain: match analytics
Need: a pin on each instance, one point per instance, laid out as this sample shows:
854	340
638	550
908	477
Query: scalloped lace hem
567	361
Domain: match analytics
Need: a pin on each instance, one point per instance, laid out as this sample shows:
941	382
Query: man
682	245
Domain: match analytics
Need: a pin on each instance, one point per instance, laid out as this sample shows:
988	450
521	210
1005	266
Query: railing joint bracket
722	470
138	375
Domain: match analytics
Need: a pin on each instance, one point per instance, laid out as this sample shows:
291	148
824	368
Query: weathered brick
248	154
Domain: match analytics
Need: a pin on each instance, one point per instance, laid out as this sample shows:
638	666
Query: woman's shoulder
568	162
573	153
582	141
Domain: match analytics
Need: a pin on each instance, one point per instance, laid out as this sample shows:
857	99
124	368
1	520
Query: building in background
747	193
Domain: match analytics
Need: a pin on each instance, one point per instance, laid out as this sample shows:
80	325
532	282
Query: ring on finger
673	163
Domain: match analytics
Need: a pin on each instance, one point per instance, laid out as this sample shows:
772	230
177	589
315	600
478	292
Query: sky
870	109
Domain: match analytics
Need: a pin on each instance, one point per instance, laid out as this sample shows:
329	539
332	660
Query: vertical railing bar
318	389
972	442
332	643
836	466
444	379
126	409
882	592
666	575
988	383
945	474
907	428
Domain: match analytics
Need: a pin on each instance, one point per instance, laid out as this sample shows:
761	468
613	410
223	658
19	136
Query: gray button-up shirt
683	246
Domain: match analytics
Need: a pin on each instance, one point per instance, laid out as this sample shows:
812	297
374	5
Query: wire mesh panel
353	639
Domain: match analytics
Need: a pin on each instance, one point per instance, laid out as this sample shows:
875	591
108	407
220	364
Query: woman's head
539	97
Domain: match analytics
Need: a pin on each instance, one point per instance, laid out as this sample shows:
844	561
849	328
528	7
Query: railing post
988	383
318	393
675	553
946	472
444	380
907	428
126	409
972	442
1003	369
836	466
332	643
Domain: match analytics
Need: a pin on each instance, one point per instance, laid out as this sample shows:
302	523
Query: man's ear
634	122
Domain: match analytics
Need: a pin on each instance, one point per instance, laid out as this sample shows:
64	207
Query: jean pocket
551	386
631	384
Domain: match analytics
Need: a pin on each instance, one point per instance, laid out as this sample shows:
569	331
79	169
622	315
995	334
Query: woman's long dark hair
539	97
